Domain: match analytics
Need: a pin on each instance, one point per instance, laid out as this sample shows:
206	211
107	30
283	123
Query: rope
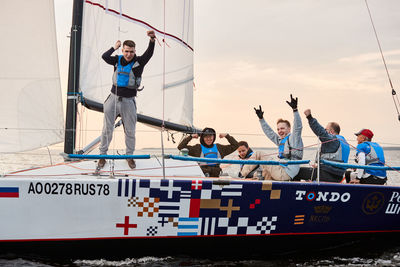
163	100
113	135
245	162
394	95
80	156
356	166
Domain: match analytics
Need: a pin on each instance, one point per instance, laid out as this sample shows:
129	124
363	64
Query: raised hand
259	112
117	45
222	135
151	34
292	103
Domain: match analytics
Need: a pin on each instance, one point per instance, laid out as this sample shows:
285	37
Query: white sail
30	102
105	22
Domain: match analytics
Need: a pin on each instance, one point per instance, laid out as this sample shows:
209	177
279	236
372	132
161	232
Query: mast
73	77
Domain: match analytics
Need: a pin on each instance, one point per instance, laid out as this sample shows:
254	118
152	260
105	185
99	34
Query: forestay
30	102
105	22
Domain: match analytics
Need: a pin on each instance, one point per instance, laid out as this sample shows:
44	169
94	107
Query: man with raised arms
334	147
128	69
290	145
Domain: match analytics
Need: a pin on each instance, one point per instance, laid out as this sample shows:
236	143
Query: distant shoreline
272	148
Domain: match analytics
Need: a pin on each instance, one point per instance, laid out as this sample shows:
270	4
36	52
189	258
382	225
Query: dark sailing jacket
142	60
224	150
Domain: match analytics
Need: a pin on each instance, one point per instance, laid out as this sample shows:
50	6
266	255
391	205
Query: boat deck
145	168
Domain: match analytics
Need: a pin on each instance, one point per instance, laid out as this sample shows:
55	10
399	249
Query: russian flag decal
9	192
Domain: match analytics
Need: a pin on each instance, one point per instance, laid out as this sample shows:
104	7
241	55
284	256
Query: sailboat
164	206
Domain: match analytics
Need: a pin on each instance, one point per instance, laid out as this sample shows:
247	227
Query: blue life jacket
281	148
341	154
345	148
124	77
210	153
373	157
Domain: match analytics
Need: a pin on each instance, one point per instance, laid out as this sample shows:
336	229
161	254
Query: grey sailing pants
126	108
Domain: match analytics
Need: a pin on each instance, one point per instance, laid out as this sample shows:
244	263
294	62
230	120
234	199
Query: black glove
292	103
259	112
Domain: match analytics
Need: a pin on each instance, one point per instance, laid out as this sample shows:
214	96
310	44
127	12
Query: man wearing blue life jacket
334	147
207	149
371	154
128	69
290	144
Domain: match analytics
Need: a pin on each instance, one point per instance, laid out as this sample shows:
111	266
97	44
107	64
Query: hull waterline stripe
156	237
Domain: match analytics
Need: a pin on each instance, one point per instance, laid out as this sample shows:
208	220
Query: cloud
372	58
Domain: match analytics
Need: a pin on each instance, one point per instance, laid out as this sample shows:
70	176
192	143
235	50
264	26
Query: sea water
27	160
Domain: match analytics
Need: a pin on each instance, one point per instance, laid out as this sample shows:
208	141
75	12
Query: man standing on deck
128	69
334	147
290	145
369	153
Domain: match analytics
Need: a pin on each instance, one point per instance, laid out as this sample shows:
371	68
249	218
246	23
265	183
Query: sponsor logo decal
322	209
394	204
299	219
322	196
373	203
321	214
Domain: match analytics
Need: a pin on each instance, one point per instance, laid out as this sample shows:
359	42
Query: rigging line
75	81
188	22
80	119
113	134
163	102
86	125
99	78
396	104
183	20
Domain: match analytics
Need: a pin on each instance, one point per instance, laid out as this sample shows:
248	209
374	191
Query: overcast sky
258	52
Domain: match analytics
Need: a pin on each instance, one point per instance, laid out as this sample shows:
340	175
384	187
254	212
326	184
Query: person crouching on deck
290	145
368	153
246	153
207	149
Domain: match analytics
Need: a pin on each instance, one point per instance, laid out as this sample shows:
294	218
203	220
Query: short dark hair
243	143
129	43
284	121
335	126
